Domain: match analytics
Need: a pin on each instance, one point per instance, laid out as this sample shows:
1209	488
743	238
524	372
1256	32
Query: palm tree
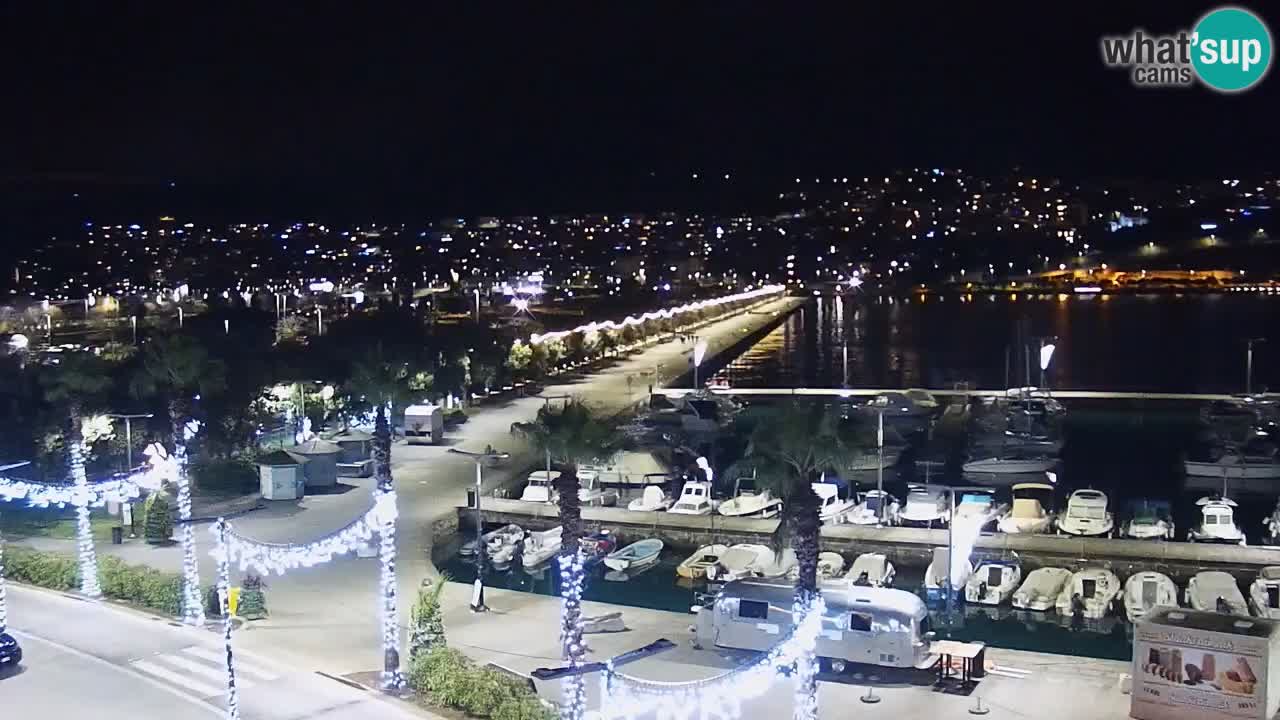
379	381
79	381
567	436
789	449
174	367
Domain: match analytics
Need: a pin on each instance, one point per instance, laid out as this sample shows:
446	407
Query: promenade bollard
978	708
870	698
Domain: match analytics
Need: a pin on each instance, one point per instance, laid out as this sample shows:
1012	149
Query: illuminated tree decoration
192	609
223	553
4	612
572	576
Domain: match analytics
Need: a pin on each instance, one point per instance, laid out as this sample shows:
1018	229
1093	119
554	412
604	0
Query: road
126	665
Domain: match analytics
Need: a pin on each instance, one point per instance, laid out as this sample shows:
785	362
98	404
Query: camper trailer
875	626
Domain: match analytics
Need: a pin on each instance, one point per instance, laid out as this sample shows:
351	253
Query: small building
280	476
424	424
355	460
320	462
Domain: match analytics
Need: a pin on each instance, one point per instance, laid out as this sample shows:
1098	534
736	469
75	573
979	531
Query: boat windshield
873	502
1089	512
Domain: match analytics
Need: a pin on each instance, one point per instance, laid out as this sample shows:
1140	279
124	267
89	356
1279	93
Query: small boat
830	565
926	505
901	405
1087	515
653	499
695	499
1147	590
750	502
875	507
502	544
833	508
783	564
978	509
539	488
695	566
1215	591
873	569
1149	520
1041	589
507	534
935	577
1005	466
596	546
1217	522
869	461
740	561
1264	593
993	582
1028	514
590	492
634	556
1089	593
540	547
1236	467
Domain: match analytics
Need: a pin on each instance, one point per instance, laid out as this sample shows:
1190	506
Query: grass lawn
53	522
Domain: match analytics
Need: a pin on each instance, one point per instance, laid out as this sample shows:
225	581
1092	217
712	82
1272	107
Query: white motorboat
639	554
501	545
978	508
993	582
540	547
1087	514
783	564
1149	520
590	492
1028	514
1215	591
901	405
1006	466
926	504
1264	593
1090	593
1144	591
1041	589
833	508
869	461
740	561
501	556
872	569
935	576
629	469
1236	467
874	507
507	534
695	566
653	499
1217	522
830	565
695	499
539	488
750	502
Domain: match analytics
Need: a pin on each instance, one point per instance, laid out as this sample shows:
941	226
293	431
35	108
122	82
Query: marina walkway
949	392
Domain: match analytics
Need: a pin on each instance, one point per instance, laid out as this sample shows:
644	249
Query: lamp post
319	321
489	455
880	467
1248	366
126	507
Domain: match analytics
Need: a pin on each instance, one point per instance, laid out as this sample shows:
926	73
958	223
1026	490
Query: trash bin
117	535
471	497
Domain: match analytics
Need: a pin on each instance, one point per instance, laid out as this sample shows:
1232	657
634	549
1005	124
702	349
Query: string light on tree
192	608
572	577
223	552
4	611
391	679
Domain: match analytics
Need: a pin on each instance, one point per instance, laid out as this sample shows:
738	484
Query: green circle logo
1231	49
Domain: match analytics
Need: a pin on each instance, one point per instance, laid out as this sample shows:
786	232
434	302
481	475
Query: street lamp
480	458
126	507
1248	368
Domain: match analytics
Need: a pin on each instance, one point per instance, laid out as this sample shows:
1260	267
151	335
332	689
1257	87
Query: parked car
10	652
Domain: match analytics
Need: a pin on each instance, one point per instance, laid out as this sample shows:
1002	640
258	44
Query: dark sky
510	104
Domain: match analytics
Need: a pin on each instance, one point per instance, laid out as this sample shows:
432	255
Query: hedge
135	584
448	678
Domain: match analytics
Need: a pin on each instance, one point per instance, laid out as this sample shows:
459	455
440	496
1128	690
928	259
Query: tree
253	602
427	630
79	381
519	357
484	373
158	519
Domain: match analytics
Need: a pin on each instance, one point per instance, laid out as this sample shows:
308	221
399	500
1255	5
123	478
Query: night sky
560	106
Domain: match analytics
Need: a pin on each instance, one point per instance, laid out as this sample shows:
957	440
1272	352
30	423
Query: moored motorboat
1236	467
993	582
740	561
1149	520
1144	591
750	502
1029	513
695	499
872	569
1264	593
1090	593
1041	588
539	547
634	556
874	507
936	575
1217	522
783	564
695	566
653	499
1215	591
1010	465
833	508
1087	514
539	487
504	535
925	505
830	565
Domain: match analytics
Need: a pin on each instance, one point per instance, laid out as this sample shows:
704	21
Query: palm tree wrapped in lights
565	437
176	367
789	449
79	381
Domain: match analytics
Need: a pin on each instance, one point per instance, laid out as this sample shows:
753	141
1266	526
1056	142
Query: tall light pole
128	434
880	467
480	458
319	321
1248	367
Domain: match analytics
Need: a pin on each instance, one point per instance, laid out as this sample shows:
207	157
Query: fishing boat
695	499
1090	593
993	582
539	488
1149	520
1087	514
695	566
833	508
935	576
641	553
1041	589
1215	591
1217	522
740	561
1028	514
1264	593
873	569
925	505
653	499
875	507
540	547
1145	591
750	502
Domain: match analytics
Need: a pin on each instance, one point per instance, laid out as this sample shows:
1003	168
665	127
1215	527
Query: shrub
135	584
158	523
47	570
450	679
225	476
